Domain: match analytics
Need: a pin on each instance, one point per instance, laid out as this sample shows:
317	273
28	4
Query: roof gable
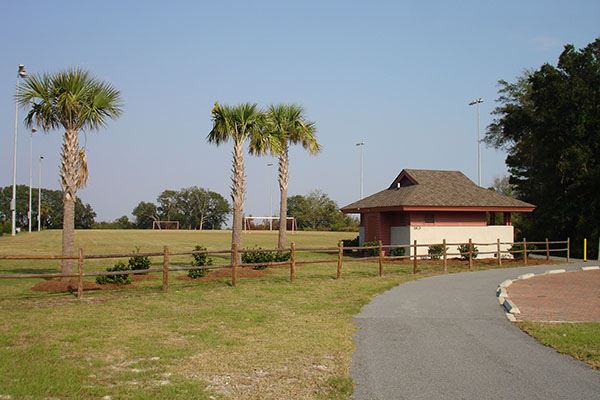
431	189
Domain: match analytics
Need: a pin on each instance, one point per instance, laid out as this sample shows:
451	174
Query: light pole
33	130
271	196
39	216
361	145
478	102
13	203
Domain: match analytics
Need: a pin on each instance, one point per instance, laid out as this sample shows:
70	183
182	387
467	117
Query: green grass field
267	338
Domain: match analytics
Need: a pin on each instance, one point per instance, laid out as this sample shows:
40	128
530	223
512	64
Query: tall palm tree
238	124
288	123
76	101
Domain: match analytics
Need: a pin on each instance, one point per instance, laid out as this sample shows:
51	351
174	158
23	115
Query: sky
397	75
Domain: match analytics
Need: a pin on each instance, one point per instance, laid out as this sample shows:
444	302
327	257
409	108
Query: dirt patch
56	285
220	273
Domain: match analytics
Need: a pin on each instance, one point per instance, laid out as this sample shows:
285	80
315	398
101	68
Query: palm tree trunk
283	184
69	173
238	194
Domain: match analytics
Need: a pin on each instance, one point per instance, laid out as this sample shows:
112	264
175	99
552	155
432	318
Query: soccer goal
267	224
160	225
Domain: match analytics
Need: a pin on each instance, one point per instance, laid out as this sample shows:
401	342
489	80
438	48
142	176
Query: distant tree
51	208
75	101
238	124
289	125
502	185
84	215
145	214
167	206
549	123
316	211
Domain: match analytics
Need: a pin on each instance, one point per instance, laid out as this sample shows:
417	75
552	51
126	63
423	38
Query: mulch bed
56	285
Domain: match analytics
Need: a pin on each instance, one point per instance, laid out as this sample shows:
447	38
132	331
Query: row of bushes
260	257
198	260
434	251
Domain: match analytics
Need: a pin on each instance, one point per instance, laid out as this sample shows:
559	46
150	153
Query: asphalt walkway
446	337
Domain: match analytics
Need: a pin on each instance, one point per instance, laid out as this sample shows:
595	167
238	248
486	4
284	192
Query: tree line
548	121
192	207
51	209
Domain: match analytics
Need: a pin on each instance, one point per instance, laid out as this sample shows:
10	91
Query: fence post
340	256
445	256
547	250
380	259
584	250
234	265
80	275
165	286
293	263
470	253
568	249
525	250
499	252
415	258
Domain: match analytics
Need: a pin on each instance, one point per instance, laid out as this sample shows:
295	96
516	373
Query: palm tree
238	123
288	123
76	101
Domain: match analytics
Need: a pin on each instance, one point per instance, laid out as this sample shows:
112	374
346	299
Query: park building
430	205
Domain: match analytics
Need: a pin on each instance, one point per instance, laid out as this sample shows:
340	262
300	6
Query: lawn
266	338
580	340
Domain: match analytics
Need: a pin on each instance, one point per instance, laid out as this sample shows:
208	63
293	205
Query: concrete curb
510	308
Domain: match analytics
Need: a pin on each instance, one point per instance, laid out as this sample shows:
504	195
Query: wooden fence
380	258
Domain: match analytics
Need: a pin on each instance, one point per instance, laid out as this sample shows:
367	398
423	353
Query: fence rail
235	253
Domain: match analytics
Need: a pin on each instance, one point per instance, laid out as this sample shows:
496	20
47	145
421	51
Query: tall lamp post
39	216
478	102
361	145
33	130
270	165
13	203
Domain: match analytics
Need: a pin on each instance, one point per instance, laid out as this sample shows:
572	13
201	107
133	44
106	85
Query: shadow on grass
29	271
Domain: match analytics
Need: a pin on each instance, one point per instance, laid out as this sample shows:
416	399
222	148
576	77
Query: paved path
446	337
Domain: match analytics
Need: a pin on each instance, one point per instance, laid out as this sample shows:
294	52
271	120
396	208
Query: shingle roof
436	189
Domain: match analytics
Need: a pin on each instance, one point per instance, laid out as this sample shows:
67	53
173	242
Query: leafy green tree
549	123
238	124
75	101
51	208
288	123
145	214
316	211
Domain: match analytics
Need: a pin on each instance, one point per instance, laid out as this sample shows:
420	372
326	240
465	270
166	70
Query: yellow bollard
584	249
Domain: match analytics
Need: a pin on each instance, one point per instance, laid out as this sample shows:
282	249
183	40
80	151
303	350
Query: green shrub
464	248
352	242
257	257
6	228
138	262
118	279
519	247
371	252
437	250
397	251
199	260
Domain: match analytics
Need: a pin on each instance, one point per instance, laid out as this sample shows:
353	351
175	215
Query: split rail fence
381	257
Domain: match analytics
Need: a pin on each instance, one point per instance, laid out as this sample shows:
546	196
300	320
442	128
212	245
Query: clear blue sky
396	75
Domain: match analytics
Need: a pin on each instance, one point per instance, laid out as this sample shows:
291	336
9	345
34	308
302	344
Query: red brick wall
449	218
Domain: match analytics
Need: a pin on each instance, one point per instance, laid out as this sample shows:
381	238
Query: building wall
403	235
448	218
